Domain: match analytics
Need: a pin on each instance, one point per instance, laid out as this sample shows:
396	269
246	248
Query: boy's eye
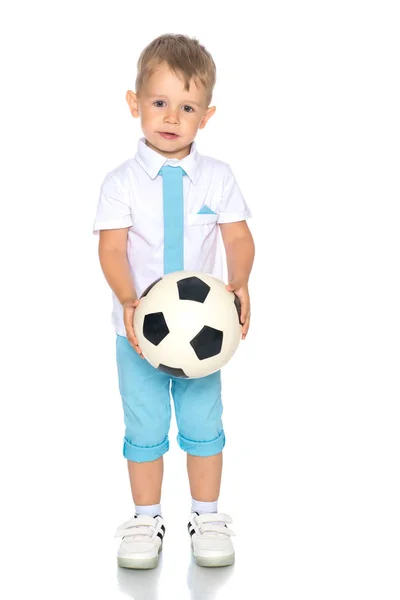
161	103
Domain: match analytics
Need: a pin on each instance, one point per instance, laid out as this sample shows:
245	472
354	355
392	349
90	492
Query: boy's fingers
130	334
245	327
132	339
129	311
245	311
135	345
129	329
138	350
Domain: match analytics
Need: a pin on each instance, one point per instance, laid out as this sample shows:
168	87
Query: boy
145	232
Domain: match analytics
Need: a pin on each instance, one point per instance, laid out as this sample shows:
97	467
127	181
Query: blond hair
184	55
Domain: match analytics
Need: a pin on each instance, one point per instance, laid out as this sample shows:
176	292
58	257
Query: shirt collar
151	161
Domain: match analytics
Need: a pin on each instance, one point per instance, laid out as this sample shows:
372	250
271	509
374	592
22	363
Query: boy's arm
114	263
115	266
239	249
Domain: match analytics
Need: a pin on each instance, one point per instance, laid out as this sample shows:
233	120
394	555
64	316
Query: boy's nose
172	117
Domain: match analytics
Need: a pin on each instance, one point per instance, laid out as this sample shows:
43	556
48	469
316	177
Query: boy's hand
242	292
129	307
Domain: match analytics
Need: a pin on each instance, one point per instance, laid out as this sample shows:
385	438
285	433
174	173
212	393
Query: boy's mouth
168	136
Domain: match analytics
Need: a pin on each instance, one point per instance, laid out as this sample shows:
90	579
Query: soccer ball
188	324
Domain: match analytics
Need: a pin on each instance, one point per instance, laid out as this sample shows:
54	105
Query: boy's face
170	115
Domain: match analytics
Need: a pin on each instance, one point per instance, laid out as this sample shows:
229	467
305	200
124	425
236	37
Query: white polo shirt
131	196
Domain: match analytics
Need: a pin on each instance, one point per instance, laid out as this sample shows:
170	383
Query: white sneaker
142	538
211	542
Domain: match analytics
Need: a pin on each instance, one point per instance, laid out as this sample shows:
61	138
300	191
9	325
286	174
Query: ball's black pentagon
146	291
238	308
193	288
155	328
172	371
207	343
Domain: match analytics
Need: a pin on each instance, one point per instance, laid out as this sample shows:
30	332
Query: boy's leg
146	481
145	394
205	476
198	410
147	413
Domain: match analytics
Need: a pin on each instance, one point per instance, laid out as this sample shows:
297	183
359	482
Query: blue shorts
146	398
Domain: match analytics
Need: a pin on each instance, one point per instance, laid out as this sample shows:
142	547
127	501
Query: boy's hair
184	55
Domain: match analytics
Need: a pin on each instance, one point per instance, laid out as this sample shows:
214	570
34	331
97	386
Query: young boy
145	232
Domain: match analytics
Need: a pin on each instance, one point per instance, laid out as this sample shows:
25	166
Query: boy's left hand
242	292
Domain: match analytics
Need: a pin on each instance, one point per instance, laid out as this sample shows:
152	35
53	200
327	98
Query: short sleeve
113	208
233	206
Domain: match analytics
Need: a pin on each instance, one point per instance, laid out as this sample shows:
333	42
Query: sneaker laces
140	527
212	525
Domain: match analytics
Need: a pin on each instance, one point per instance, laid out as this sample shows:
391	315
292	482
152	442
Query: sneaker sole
222	561
138	563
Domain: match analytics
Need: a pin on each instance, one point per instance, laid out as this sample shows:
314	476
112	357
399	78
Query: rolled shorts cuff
202	448
144	453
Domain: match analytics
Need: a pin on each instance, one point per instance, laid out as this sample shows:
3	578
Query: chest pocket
194	219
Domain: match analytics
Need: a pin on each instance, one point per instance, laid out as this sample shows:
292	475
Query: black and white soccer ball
188	324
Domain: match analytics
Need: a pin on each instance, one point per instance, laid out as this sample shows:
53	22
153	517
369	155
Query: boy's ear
207	115
133	103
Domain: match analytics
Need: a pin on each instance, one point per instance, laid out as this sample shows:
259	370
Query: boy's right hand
129	307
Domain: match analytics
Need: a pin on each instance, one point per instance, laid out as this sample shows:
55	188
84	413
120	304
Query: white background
308	117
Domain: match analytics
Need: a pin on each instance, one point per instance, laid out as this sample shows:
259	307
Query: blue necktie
173	218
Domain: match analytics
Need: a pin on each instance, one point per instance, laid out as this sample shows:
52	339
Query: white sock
151	510
204	507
